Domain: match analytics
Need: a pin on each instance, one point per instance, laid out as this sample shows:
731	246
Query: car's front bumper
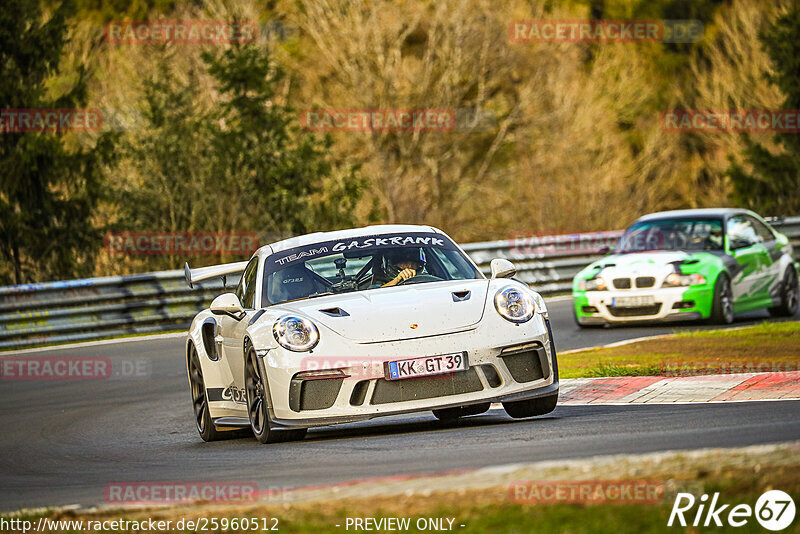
671	304
507	362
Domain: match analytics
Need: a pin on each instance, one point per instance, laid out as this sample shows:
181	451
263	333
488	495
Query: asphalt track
63	442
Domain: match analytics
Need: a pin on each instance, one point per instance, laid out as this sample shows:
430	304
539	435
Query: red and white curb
655	389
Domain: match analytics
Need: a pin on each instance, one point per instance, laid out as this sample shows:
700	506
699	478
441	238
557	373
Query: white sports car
349	325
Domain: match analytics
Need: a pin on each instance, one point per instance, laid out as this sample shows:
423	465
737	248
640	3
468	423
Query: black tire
722	306
532	407
452	414
257	408
197	386
790	294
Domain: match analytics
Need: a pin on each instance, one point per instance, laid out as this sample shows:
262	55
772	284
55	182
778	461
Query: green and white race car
690	264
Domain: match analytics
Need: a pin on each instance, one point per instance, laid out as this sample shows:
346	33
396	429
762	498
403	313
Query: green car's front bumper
663	304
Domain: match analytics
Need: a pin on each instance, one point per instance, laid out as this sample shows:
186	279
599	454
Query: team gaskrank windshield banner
357	247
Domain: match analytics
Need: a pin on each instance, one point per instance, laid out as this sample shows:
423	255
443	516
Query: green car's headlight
514	305
593	284
679	280
297	334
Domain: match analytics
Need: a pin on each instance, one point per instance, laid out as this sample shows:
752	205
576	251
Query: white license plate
633	302
427	366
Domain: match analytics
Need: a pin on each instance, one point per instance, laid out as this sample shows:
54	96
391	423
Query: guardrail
92	308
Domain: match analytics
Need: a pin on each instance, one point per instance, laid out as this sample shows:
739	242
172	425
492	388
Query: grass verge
766	347
484	503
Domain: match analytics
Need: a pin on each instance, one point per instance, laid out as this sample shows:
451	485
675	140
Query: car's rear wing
212	271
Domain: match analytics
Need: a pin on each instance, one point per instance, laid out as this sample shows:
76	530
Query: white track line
497	406
96	343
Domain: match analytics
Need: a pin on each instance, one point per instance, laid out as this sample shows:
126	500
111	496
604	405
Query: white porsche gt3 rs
349	325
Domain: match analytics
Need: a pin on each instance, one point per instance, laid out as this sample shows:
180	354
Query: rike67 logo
774	510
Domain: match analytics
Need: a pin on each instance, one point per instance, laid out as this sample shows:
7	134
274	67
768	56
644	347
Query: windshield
363	263
672	234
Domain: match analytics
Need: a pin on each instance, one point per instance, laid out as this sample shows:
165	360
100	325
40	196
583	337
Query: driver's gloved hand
404	275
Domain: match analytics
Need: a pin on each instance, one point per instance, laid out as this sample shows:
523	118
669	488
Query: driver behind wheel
402	264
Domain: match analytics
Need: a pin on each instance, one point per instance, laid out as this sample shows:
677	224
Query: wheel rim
726	302
791	291
198	388
256	396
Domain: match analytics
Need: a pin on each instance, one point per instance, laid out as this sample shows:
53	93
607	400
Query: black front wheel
722	306
790	293
257	407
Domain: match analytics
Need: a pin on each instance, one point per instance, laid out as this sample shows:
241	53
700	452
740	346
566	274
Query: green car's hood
646	260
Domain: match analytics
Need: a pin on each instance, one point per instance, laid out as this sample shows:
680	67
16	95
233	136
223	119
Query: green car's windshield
672	234
362	263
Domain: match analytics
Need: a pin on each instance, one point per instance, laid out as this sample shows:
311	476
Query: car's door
232	330
772	273
747	248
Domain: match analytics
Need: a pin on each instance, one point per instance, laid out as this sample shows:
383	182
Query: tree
234	163
773	184
49	186
278	168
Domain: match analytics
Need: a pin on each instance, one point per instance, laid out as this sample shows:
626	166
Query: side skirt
231	423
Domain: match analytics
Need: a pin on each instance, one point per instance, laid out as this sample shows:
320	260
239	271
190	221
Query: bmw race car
350	325
690	264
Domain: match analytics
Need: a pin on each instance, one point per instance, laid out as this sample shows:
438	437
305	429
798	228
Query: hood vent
335	312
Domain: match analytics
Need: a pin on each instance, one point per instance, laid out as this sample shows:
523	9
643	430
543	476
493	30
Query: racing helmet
393	258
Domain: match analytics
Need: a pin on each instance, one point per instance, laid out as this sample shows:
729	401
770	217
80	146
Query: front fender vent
209	331
459	296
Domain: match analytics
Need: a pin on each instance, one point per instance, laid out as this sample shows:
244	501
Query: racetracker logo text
605	31
181	243
72	368
551	245
178	492
50	120
586	492
778	370
432	367
731	121
378	120
181	32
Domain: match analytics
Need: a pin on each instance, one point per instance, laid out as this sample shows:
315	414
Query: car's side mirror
605	249
227	304
502	268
